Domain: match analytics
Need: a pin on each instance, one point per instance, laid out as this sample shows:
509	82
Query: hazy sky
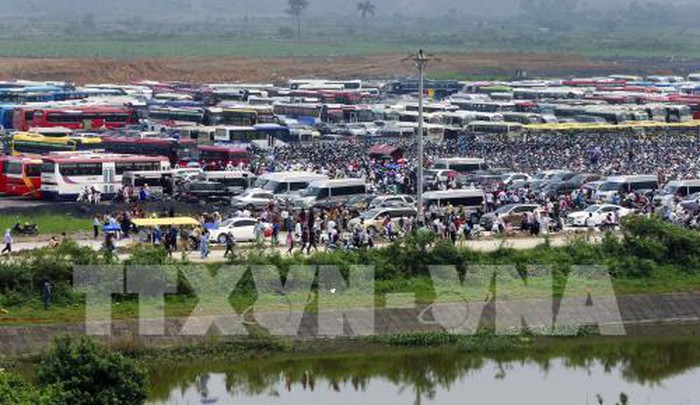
116	8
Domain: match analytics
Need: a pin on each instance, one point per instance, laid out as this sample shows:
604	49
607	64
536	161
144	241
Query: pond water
653	373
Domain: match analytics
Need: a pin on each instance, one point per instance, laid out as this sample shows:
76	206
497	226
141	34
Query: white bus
461	165
65	176
469	199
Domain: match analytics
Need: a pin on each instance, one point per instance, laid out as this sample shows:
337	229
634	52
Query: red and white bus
22	176
74	118
66	176
218	157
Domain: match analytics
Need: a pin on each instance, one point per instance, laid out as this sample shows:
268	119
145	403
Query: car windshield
226	223
593	208
610	186
260	183
311	192
369	214
504	209
670	189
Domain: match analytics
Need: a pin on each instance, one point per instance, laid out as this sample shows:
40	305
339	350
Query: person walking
7	240
46	292
290	242
96	222
230	243
204	244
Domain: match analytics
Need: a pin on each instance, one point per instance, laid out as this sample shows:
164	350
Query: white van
159	182
461	165
284	185
236	181
469	199
677	188
626	184
330	192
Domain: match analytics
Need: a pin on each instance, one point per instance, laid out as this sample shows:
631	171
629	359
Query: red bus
74	118
218	157
692	101
22	176
179	152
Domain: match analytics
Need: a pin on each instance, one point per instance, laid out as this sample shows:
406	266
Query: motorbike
25	230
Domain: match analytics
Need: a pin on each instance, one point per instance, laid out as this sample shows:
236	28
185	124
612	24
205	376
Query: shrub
90	375
15	391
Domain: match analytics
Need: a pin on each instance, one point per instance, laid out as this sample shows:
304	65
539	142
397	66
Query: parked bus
218	157
74	118
238	135
27	143
199	134
461	165
494	127
193	115
22	176
179	152
239	117
300	110
65	177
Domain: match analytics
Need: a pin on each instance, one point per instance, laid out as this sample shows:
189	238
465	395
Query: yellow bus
27	143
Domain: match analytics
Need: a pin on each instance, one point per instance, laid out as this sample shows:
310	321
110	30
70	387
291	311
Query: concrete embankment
642	315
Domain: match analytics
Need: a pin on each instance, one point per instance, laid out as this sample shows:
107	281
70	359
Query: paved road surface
483	245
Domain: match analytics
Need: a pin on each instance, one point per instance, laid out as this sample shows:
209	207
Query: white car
252	199
390	200
599	212
242	229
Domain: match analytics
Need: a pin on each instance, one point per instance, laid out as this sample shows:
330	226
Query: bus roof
217	148
176	221
102	157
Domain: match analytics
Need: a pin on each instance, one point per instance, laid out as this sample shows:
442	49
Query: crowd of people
669	156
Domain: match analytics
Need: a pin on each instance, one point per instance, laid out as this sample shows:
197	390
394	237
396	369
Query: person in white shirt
590	225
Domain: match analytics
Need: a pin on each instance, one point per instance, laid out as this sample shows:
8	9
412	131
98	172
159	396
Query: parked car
511	213
252	200
374	218
392	200
598	212
241	229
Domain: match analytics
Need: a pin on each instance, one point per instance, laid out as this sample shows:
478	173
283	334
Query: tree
296	9
90	375
366	8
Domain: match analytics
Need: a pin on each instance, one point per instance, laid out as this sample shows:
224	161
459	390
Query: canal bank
676	314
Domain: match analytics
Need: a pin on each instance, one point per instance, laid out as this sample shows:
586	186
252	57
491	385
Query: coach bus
74	118
238	135
239	116
66	176
179	152
219	157
27	143
494	127
300	110
22	176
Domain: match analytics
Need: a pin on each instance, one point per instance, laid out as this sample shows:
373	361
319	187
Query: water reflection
565	374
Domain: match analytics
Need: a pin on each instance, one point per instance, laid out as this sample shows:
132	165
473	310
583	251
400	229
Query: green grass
317	44
49	223
176	306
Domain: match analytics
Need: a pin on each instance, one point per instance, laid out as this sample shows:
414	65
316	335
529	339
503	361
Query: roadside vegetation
48	223
78	372
651	256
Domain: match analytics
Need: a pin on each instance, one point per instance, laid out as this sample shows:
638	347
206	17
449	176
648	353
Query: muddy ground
209	69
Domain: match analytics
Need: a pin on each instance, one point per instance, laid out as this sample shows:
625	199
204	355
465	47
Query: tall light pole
421	61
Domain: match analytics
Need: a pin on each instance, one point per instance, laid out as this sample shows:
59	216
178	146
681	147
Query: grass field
48	223
334	46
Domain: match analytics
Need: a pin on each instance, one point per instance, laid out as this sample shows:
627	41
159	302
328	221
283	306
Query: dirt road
209	69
